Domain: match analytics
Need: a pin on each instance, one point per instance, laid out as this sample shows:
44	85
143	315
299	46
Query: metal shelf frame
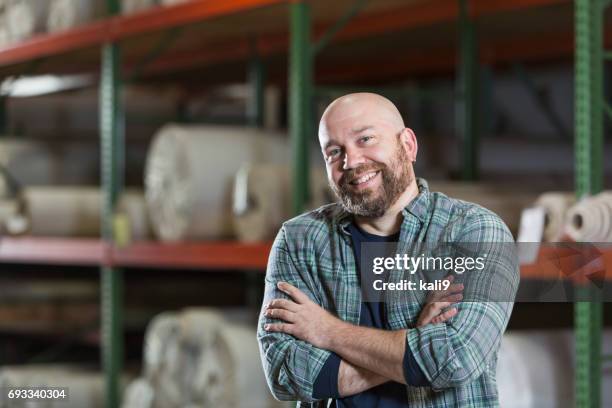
589	114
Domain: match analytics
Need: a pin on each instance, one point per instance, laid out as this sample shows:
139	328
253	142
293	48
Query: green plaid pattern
314	253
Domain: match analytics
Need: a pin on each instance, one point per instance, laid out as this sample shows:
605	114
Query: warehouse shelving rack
99	46
589	142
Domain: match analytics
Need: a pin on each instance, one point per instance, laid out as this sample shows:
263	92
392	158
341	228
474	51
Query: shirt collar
418	207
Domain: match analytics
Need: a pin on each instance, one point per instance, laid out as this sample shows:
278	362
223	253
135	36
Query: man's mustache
353	174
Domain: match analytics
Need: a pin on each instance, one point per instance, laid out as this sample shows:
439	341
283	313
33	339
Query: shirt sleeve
326	384
291	366
412	372
457	352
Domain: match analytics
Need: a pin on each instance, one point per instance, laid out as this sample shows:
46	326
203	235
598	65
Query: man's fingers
283	304
431	311
281	314
447	315
279	328
292	291
457	297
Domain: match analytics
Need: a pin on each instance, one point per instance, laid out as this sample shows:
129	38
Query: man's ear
409	141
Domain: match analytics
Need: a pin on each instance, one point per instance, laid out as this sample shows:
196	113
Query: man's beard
374	203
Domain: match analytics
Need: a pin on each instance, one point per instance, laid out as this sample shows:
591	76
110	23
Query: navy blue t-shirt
390	394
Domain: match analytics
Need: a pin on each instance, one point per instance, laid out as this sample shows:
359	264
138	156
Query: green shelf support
300	101
257	82
589	108
467	94
112	170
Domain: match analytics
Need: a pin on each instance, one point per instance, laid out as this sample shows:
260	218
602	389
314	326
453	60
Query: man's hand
303	318
437	301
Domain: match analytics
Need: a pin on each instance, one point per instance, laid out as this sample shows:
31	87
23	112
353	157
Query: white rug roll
262	199
555	205
76	212
590	220
65	14
189	177
138	394
204	357
25	18
132	6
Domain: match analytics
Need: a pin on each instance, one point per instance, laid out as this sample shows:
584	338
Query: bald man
322	342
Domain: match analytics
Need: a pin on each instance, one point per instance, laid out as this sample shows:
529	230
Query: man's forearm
353	379
379	351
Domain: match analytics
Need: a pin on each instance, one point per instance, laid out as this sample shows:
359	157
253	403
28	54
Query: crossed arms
297	335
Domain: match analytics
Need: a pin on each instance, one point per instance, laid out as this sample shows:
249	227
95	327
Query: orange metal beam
205	255
120	27
52	251
404	18
427	13
94	252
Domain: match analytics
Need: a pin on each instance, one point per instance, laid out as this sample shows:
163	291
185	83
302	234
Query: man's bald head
360	109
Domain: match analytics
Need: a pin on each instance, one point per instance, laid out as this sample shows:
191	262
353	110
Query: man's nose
352	159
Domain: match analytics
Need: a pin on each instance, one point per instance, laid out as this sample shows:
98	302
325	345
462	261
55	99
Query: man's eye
333	153
365	139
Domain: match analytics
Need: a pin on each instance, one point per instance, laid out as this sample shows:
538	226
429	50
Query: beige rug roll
65	14
76	212
262	199
25	18
555	204
189	177
590	220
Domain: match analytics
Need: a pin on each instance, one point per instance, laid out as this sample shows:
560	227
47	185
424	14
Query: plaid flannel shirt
459	357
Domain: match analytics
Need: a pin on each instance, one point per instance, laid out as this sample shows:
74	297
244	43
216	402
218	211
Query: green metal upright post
112	150
467	94
257	79
588	151
300	101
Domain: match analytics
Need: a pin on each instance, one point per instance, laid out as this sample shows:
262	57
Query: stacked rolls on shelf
203	357
132	6
65	14
590	220
24	18
71	212
555	205
262	199
190	172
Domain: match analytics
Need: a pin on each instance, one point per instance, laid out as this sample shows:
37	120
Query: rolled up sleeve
291	366
457	352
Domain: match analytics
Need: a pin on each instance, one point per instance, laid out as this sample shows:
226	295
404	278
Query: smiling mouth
364	178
